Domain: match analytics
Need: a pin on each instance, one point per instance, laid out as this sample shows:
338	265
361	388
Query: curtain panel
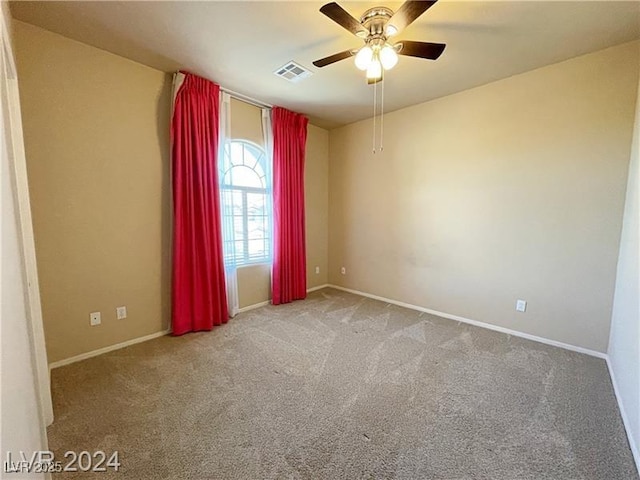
289	275
199	296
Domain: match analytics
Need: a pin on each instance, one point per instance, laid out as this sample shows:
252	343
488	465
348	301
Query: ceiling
240	44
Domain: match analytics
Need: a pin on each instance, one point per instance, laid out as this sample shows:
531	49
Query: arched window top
243	166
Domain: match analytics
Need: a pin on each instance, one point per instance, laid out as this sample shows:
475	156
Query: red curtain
199	295
289	276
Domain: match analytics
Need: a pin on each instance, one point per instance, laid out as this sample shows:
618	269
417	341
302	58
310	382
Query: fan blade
323	62
339	15
406	14
430	51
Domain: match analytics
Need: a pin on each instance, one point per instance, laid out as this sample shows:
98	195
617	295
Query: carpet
339	386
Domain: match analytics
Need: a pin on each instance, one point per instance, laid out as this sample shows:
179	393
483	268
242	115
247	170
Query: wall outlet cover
95	318
521	305
121	312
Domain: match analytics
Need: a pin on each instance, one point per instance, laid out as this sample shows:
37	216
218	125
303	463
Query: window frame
260	155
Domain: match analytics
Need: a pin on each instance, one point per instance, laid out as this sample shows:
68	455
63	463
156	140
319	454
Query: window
246	204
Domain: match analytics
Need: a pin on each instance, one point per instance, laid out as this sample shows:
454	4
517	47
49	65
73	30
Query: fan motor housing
375	19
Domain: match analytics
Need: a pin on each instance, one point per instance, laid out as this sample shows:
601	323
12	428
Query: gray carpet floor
343	387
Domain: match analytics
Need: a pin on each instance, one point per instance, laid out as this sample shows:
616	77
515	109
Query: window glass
246	201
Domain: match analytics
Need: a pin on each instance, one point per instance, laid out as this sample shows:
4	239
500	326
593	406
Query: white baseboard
623	414
476	323
319	287
110	348
254	306
262	304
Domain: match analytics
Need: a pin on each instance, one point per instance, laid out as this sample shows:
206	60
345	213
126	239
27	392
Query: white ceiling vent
293	72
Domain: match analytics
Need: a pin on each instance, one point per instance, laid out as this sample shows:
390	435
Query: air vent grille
293	72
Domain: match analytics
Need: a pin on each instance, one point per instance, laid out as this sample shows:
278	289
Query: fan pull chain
382	118
375	99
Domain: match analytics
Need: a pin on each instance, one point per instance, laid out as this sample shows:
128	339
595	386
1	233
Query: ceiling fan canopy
376	26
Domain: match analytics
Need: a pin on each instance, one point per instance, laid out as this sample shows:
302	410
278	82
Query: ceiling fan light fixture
374	70
388	57
364	57
376	26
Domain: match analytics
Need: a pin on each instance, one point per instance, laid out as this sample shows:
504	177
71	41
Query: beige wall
96	138
511	190
316	185
624	343
254	281
246	122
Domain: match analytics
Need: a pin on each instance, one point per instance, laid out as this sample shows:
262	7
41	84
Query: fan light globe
374	70
364	57
388	57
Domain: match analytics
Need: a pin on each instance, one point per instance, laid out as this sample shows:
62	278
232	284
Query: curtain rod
239	96
246	98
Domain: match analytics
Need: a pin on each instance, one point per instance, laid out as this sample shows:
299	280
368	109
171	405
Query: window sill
257	264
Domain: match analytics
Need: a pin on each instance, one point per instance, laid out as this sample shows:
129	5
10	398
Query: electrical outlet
521	305
317	270
95	318
121	312
343	271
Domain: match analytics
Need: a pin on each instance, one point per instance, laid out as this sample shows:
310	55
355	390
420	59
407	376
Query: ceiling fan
376	27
